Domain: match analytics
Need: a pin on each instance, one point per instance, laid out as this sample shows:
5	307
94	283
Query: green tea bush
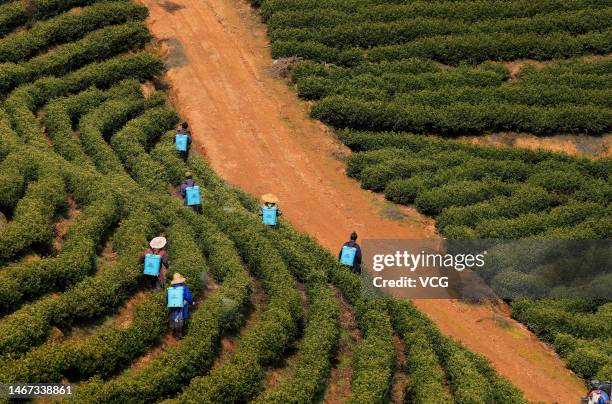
89	298
430	349
76	260
67	27
262	343
392	10
322	330
130	142
314	353
578	336
523	200
220	311
12	14
100	354
33	219
461	193
461	117
477	48
362	34
95	46
101	120
352	52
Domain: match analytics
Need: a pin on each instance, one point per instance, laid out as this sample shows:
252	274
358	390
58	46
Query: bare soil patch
63	225
339	386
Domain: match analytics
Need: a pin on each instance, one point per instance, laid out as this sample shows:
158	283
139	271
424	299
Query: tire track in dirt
257	135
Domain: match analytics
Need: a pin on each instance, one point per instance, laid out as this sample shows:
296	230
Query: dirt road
257	135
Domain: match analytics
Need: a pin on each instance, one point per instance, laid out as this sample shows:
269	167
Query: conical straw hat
177	278
158	242
269	198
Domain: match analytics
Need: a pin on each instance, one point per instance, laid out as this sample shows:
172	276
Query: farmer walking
155	262
179	299
182	141
190	192
270	212
350	254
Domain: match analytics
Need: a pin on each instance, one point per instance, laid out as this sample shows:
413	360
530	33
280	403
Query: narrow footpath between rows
257	135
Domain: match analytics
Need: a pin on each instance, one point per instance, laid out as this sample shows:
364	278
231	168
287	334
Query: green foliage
130	142
101	354
95	46
471	377
461	117
577	329
220	311
12	14
352	52
264	342
67	27
75	261
33	218
477	191
104	145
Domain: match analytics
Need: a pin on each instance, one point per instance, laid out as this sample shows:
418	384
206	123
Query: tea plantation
386	73
88	174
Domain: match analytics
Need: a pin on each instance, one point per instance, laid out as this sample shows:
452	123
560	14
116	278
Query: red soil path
257	135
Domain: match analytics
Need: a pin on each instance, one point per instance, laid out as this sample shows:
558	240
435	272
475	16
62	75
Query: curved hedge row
101	121
471	378
480	47
426	379
89	298
454	50
577	330
12	15
60	113
374	356
27	98
483	191
239	378
67	27
306	68
95	46
389	83
322	331
33	218
76	260
130	142
315	351
220	311
16	171
102	353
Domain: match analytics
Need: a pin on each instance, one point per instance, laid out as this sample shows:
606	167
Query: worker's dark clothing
187	184
184	154
357	262
177	316
155	282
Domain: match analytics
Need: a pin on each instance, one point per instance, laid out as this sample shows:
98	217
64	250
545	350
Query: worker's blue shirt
603	398
357	262
186	296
